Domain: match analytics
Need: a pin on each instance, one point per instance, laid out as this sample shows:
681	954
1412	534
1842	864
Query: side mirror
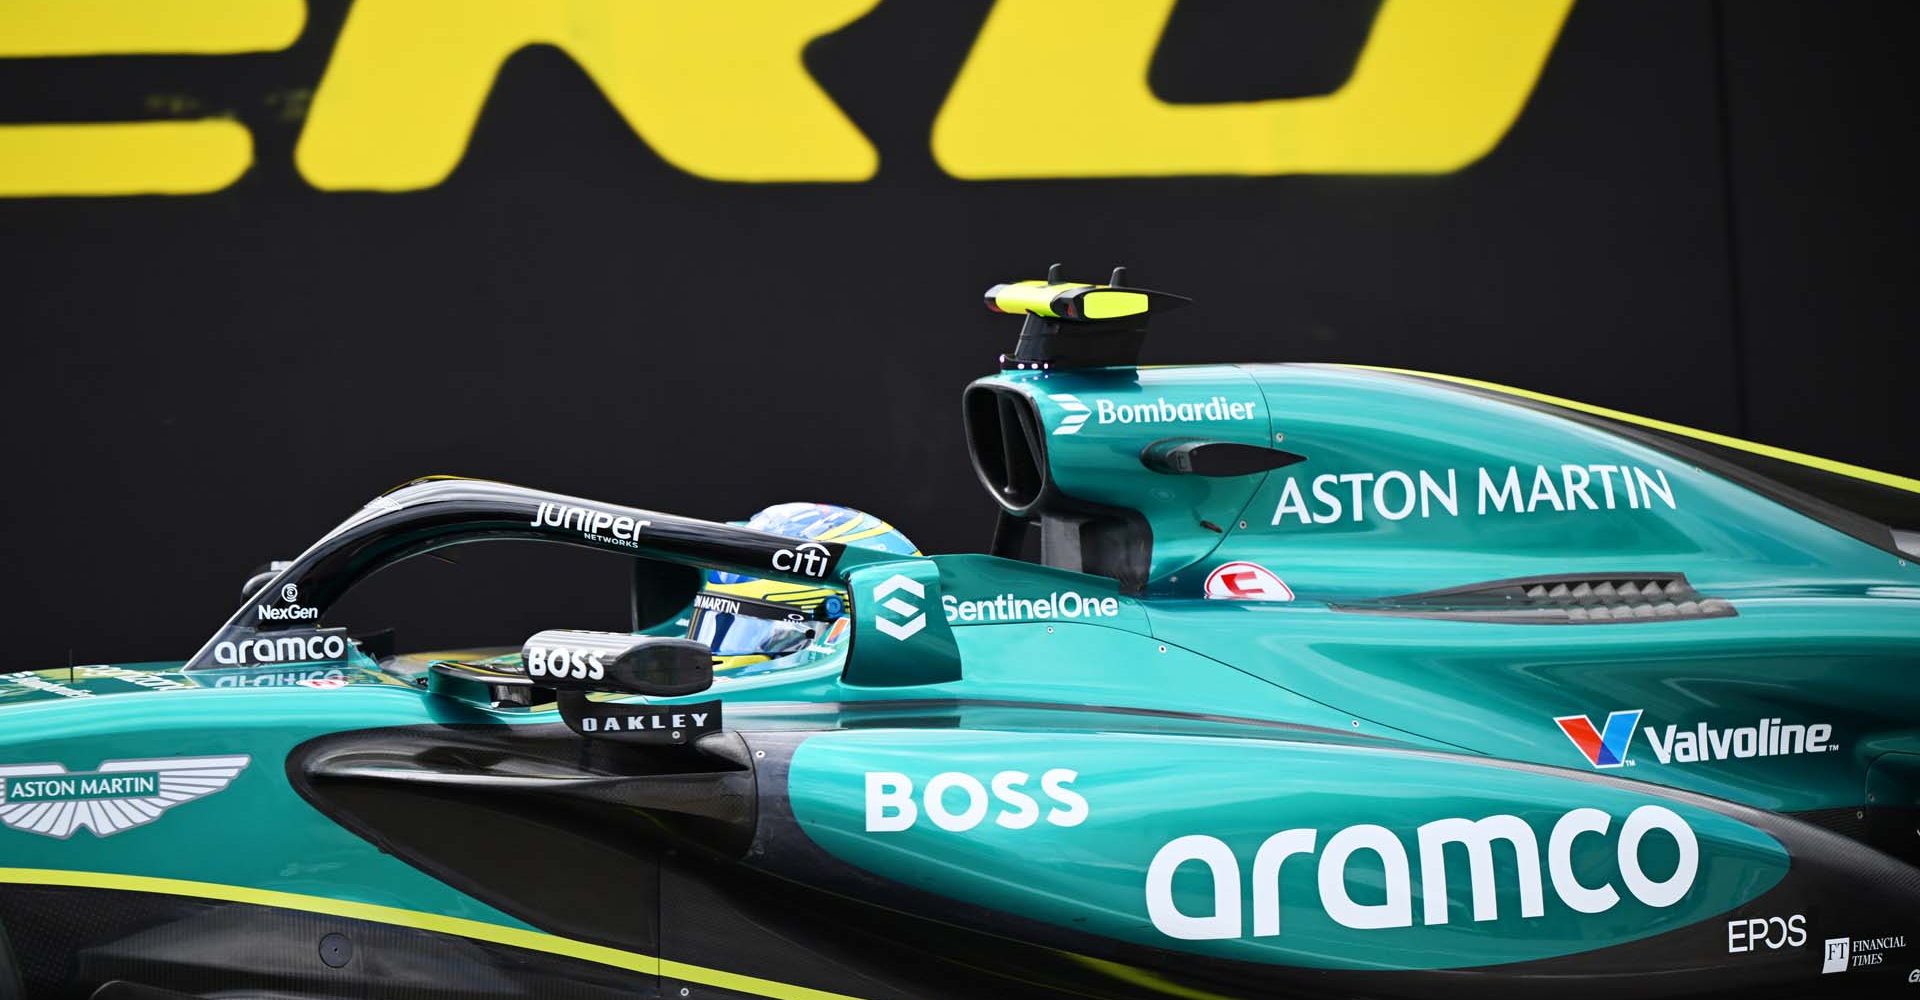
655	666
575	663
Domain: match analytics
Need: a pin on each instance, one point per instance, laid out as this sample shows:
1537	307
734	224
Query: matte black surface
441	512
84	938
562	832
1187	456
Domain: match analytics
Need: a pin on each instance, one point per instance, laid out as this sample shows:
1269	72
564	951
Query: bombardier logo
1076	413
1159	410
911	618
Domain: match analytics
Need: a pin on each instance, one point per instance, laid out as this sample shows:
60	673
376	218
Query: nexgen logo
910	618
1603	748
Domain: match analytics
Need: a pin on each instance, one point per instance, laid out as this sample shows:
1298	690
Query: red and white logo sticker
1245	581
324	683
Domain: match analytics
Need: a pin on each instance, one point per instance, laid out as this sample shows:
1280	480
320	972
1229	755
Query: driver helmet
749	622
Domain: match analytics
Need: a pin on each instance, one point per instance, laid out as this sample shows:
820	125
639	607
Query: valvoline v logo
1603	748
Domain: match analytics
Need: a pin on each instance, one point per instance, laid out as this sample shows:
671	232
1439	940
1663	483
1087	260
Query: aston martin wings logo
49	800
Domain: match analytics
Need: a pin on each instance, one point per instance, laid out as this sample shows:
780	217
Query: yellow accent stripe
1753	447
1034	297
1112	305
873	532
745	984
1144	979
833	534
475	929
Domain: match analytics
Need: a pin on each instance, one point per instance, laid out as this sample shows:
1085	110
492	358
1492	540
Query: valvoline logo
1606	747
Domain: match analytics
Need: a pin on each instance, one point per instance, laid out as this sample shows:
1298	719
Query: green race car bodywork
1321	681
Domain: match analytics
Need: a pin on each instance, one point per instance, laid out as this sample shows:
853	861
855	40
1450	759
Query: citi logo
911	619
1606	747
806	559
1076	413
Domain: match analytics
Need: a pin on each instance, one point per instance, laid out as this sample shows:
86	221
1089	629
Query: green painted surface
1334	718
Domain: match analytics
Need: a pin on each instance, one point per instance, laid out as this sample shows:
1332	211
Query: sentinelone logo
1159	411
1013	607
910	619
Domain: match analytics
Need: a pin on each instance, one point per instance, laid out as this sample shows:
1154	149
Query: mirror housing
571	664
654	666
574	663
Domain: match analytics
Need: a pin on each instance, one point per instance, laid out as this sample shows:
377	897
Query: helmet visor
732	627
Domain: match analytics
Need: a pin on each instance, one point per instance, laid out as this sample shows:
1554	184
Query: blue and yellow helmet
748	621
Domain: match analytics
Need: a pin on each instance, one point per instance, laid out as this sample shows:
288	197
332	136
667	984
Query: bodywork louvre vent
1569	599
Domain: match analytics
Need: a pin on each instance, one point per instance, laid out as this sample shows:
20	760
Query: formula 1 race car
1276	680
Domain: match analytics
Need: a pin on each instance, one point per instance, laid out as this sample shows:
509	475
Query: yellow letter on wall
1058	88
114	158
716	87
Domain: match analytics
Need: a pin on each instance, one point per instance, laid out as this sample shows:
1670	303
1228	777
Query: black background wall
1704	214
